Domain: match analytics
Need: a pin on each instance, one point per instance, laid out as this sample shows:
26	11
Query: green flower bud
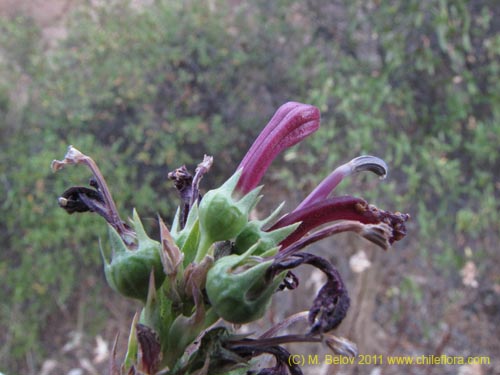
129	271
237	288
221	217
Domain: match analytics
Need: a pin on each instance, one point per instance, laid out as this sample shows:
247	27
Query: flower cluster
215	265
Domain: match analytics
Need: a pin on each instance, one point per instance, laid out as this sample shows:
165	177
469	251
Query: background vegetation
146	89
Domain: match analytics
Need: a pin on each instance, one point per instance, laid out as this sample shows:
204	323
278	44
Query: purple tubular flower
340	208
359	164
291	123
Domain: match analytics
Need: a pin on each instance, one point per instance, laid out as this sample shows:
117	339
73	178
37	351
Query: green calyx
237	288
221	217
253	233
129	271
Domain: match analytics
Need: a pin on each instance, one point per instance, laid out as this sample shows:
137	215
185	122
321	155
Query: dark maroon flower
341	208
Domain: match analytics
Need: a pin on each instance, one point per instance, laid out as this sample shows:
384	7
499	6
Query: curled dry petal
78	199
183	183
332	302
188	186
291	123
82	199
200	171
329	308
73	156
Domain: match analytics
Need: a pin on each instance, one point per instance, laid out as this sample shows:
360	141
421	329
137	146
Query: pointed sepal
128	271
238	289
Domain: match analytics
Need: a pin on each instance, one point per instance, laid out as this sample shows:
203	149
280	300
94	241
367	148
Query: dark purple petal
332	302
82	199
291	123
329	308
340	208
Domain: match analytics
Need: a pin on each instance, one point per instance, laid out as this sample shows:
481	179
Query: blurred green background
145	88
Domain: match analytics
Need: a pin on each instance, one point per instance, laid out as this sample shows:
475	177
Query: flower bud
238	289
221	217
129	271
